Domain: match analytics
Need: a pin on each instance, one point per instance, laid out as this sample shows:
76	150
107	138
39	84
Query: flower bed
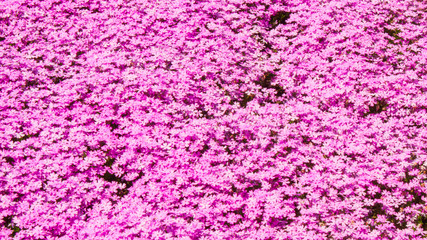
146	119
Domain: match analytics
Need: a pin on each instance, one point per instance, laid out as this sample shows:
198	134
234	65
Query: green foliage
265	82
23	138
394	33
421	221
279	18
246	98
110	161
7	222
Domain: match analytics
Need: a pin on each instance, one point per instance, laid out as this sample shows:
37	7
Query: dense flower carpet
214	119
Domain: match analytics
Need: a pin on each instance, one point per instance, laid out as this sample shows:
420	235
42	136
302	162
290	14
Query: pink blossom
213	120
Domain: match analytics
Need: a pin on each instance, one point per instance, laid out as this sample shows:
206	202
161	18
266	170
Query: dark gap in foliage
244	100
113	178
279	90
229	136
57	80
302	196
190	99
348	103
89	90
234	189
140	149
306	139
116	81
294	121
398	224
297	211
116	108
10	160
241	192
25	137
248	135
276	183
127	113
300	79
102	143
54	231
269	147
255	184
375	210
7	223
74	63
417	198
309	164
122	192
169	65
421	220
122	67
49	67
273	134
392	32
228	150
85	207
150	124
250	5
383	187
113	124
157	95
378	107
69	13
84	8
278	18
27	43
378	149
31	83
69	118
240	211
214	164
205	114
99	69
321	40
281	154
109	161
169	229
413	157
267	45
79	53
224	163
260	39
265	82
259	219
408	177
19	197
203	151
2	39
71	106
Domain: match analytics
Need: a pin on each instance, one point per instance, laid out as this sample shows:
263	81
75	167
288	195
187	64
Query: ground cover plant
233	119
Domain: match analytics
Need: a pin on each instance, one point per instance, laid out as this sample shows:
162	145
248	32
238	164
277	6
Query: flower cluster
222	119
